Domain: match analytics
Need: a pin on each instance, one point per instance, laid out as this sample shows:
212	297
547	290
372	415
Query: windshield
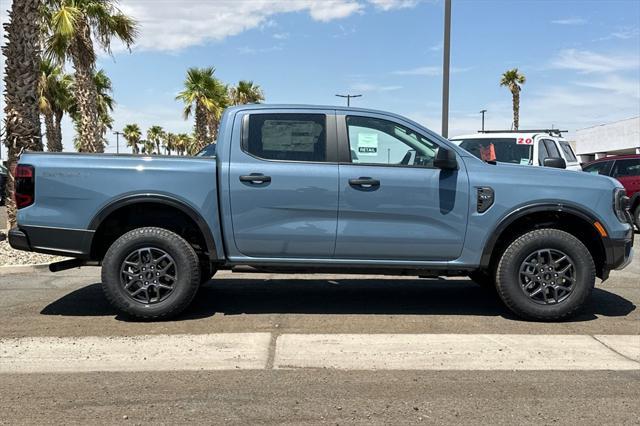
504	150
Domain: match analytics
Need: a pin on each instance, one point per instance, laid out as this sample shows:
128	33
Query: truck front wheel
546	275
150	273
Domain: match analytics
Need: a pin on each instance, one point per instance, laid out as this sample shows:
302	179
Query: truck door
394	204
283	184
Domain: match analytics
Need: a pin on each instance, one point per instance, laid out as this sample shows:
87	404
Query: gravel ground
9	256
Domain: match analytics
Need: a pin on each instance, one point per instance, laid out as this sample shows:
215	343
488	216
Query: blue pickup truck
307	189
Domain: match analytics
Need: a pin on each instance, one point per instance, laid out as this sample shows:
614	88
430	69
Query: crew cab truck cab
309	189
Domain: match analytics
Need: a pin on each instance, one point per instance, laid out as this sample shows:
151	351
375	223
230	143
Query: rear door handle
364	182
255	178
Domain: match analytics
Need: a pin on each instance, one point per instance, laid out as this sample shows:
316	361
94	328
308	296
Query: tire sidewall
149	237
508	277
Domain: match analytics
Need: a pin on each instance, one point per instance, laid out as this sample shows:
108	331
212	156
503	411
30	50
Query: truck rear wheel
546	275
150	273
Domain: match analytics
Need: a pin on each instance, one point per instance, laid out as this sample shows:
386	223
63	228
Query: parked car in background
308	189
525	147
625	168
3	183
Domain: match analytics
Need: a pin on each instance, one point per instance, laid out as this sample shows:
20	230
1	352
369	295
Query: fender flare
160	199
523	211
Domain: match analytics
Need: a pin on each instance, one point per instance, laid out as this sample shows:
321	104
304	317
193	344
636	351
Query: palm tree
155	135
105	104
21	113
513	79
183	142
208	96
132	135
70	25
246	92
169	141
54	99
147	147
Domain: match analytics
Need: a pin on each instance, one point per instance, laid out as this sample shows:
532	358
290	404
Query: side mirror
445	159
557	163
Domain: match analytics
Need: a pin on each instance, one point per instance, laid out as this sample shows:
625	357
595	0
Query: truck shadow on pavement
344	296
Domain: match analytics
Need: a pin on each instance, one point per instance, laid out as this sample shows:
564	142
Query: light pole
348	98
445	68
117	133
482	112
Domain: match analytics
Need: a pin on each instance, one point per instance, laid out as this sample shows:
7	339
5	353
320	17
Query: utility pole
348	98
482	112
445	68
117	133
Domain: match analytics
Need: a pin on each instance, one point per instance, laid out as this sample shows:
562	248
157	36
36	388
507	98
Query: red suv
625	168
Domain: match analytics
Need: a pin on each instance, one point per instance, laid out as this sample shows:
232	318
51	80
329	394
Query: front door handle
365	183
255	178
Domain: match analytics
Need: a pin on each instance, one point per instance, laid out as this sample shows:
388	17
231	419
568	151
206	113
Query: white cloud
624	33
616	84
281	36
393	4
587	62
569	21
167	26
370	87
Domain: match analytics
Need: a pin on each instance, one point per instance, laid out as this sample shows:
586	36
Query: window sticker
524	161
290	135
367	144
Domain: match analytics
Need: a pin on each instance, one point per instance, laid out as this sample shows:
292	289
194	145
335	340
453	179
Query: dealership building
617	138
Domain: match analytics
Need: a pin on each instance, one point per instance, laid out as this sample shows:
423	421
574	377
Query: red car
625	168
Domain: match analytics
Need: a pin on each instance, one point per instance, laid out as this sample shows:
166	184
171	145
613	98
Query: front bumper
618	254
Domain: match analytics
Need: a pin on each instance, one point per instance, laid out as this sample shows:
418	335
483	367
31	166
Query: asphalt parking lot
239	312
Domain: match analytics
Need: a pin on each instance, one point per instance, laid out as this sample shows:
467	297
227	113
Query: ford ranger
307	189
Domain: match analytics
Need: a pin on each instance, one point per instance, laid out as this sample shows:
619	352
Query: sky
581	58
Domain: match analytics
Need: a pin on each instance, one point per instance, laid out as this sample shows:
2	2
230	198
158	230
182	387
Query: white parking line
453	352
233	351
140	353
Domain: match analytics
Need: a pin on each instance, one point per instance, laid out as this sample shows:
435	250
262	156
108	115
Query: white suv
529	147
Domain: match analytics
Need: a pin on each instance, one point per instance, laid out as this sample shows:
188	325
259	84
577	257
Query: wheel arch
573	219
153	199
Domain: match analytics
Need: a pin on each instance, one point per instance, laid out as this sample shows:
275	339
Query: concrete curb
24	269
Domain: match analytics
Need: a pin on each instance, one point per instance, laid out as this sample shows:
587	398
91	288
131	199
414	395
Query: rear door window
287	137
627	168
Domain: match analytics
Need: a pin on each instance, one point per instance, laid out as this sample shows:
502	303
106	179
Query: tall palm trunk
201	125
86	93
22	70
516	107
50	131
58	130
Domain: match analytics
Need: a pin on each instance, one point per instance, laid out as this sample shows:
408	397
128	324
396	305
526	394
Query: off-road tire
508	276
186	263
